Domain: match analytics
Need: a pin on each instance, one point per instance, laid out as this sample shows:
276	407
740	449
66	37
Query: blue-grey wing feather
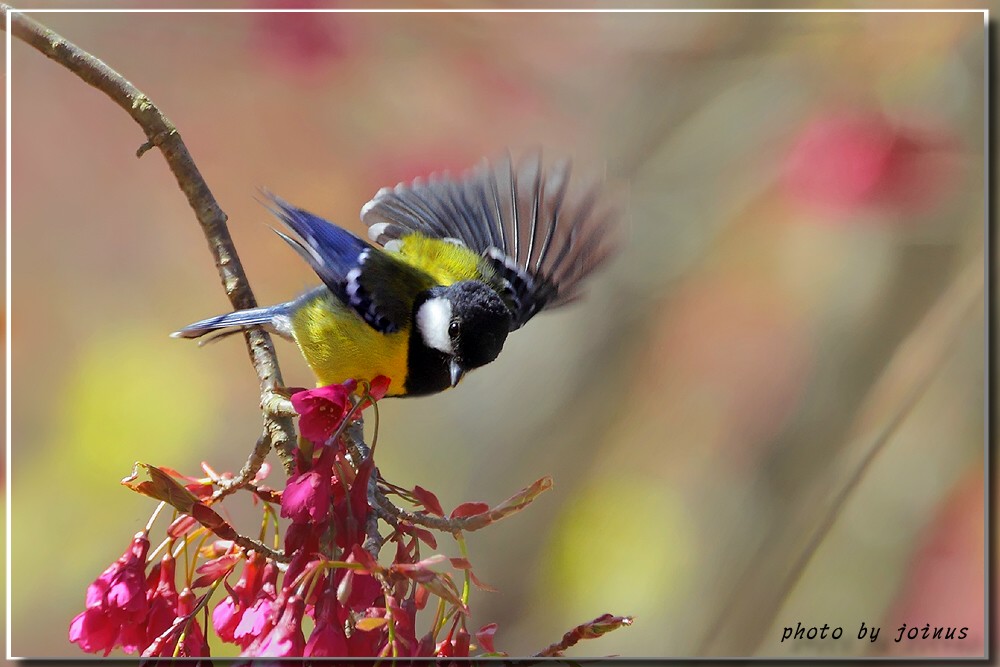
539	235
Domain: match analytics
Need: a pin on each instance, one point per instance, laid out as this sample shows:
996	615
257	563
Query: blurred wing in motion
537	236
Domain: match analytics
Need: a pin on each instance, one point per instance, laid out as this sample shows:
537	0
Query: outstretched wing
379	287
537	236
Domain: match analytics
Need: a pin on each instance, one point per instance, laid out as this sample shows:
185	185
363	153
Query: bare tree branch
161	133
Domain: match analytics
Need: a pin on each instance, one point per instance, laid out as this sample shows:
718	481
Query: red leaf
428	500
174	473
521	499
359	489
216	549
161	486
209	518
469	509
201	491
420	597
425	536
215	569
426	563
378	387
180	525
425	648
265	469
442	586
460	563
485	637
364	558
480	585
420	576
456	644
420	571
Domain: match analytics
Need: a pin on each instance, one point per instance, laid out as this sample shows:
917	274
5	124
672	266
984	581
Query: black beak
456	372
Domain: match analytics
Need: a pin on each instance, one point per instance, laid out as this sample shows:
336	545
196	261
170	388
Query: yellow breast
338	345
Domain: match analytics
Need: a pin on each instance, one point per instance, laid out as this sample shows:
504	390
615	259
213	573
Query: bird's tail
273	318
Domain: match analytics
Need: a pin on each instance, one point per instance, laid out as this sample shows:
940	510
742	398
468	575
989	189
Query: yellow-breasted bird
463	261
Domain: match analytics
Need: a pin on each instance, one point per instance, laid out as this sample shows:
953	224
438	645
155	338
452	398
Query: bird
455	264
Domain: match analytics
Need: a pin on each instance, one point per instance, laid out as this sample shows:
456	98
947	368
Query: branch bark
279	432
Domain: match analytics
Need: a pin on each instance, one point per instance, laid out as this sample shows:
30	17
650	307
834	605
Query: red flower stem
454	626
206	623
201	604
350	521
353	412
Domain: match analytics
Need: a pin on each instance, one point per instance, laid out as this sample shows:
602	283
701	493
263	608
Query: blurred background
769	409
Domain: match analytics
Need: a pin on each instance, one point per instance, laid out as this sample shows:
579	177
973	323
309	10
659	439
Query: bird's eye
453	329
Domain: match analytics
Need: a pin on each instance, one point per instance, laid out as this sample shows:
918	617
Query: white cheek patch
433	318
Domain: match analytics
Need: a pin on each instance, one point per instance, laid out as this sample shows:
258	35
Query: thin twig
591	630
388	511
160	132
250	544
247	472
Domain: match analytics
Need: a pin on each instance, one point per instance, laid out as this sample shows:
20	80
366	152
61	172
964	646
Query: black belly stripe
426	369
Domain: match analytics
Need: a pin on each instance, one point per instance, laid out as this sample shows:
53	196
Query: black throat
426	368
